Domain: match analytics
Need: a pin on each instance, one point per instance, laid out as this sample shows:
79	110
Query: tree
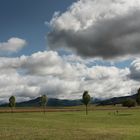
138	97
43	101
12	102
129	103
86	99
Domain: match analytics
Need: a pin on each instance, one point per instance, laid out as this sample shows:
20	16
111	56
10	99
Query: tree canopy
86	99
12	102
43	101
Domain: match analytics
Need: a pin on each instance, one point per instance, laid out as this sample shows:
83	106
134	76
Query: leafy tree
86	99
138	97
12	102
43	101
129	103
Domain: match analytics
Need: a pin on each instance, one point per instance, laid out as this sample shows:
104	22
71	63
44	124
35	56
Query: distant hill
51	102
59	102
116	100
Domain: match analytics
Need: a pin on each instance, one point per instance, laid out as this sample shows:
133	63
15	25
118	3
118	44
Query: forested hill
63	102
116	100
51	102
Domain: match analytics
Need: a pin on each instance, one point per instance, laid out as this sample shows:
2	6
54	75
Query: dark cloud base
107	38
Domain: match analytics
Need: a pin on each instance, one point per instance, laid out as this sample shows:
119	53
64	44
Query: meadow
99	124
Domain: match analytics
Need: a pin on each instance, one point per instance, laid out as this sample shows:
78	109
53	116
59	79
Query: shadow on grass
120	114
124	114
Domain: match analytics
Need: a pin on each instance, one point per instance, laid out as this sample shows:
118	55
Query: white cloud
43	63
28	77
12	45
84	13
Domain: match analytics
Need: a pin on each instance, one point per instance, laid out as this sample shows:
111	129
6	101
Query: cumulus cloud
12	45
104	28
42	63
67	77
135	69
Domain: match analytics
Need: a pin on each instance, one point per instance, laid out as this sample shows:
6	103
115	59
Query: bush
129	103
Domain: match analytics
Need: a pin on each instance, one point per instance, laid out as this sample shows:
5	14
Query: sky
61	48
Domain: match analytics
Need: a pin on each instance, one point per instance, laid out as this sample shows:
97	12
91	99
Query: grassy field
98	125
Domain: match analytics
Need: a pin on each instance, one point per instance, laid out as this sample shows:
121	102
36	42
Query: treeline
125	101
129	102
43	100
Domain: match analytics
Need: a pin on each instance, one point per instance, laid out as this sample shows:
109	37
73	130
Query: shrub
129	103
138	97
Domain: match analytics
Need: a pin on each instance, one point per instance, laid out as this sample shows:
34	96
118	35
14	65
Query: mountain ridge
65	102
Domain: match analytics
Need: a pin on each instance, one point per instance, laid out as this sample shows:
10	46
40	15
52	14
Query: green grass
98	125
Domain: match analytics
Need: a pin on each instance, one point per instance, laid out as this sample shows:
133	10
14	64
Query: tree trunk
44	109
86	110
11	109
